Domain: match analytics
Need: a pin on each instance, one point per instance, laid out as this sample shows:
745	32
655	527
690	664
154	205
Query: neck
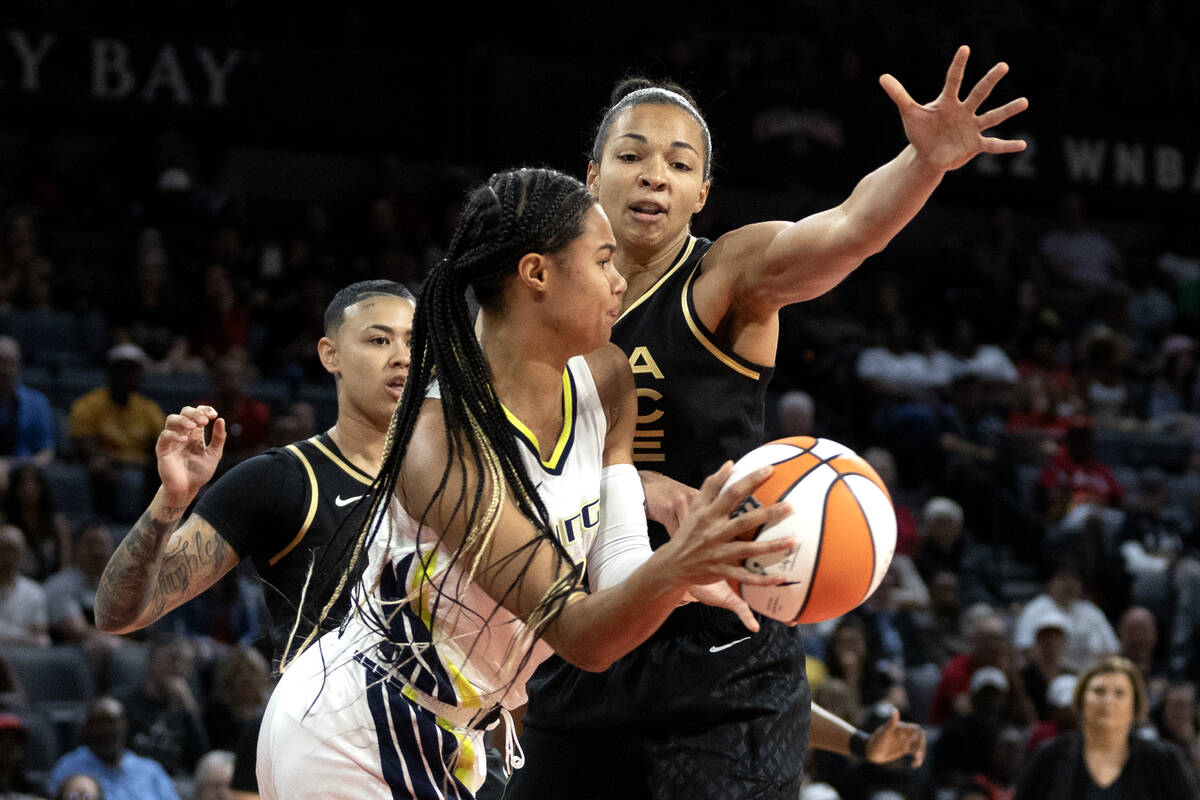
360	440
1113	744
642	267
526	375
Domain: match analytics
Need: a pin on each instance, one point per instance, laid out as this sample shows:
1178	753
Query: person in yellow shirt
114	426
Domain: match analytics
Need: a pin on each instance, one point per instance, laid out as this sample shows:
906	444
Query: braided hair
514	213
642	91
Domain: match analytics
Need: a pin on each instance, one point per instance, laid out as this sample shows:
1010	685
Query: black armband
858	744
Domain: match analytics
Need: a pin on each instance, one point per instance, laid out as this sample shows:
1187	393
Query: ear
328	353
700	201
593	178
531	271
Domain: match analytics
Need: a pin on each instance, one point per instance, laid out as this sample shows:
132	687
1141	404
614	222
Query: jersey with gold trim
287	509
698	403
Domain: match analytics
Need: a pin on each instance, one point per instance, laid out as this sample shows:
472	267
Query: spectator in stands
224	321
964	747
1078	489
26	421
941	627
1137	632
24	272
1176	718
22	600
1062	717
145	310
795	412
884	463
987	646
1089	636
1105	757
852	660
1104	380
246	419
164	721
214	772
1044	660
114	425
71	595
1174	397
1078	257
30	506
240	688
79	787
121	774
945	546
1153	538
14	785
12	694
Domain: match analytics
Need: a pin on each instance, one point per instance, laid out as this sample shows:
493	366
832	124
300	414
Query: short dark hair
335	312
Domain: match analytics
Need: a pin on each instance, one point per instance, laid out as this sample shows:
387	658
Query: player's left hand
947	132
895	739
722	595
667	500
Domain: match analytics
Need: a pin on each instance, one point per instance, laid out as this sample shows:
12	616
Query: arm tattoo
134	565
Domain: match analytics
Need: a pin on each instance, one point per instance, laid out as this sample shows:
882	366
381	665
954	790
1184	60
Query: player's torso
698	403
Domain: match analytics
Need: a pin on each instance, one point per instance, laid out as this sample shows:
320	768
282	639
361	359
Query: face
1051	642
1108	702
80	787
650	179
583	297
369	355
104	730
95	547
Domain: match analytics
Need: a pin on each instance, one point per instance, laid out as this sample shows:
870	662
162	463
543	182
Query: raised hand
710	545
948	132
185	462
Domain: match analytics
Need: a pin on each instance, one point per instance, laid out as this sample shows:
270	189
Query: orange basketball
842	520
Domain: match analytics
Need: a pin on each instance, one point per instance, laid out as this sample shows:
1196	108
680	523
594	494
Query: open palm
185	462
948	132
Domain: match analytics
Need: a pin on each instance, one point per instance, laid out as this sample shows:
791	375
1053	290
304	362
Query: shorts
702	710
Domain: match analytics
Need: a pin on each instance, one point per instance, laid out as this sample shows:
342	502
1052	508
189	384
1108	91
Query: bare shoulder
611	373
733	251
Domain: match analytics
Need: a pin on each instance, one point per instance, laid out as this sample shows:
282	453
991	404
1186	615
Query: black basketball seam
841	476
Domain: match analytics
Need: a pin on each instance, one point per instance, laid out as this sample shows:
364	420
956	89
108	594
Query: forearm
597	629
129	585
809	257
829	732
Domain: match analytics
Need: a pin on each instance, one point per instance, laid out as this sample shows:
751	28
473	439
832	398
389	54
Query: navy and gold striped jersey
698	403
287	509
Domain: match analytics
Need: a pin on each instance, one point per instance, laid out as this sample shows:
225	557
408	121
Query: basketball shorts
702	710
344	733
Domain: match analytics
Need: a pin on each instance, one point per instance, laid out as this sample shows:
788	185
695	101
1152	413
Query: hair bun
627	86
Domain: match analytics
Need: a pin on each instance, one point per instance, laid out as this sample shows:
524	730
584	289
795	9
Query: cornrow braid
514	213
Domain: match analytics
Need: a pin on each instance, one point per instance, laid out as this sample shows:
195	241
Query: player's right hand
185	462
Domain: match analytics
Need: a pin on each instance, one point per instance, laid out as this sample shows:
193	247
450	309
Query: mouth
648	210
395	387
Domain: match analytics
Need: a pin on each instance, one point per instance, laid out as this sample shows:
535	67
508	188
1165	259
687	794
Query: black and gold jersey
290	509
698	403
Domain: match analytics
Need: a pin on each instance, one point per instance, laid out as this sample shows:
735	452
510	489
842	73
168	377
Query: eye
380	340
682	167
627	157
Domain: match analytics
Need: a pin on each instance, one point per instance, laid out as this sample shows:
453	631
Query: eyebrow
638	137
383	328
612	248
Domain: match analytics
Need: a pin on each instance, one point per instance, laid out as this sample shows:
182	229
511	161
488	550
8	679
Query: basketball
842	520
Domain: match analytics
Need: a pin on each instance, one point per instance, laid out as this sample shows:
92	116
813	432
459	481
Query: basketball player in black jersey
281	508
704	710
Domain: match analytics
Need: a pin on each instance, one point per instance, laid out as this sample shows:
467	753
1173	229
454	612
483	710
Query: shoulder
33	397
145	404
90	399
610	372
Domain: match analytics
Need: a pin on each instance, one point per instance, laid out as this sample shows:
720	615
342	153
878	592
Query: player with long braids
508	470
700	324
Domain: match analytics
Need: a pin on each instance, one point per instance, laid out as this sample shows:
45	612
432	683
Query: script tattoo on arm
158	566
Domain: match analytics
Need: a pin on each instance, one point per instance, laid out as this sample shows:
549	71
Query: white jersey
452	656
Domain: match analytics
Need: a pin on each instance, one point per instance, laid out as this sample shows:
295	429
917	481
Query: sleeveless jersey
698	403
453	644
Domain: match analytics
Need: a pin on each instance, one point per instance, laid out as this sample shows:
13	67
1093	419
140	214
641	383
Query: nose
653	173
401	356
619	284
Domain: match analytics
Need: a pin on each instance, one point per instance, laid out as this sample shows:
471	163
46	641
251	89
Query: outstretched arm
165	560
773	264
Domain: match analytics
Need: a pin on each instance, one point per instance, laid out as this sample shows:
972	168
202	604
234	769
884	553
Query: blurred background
184	185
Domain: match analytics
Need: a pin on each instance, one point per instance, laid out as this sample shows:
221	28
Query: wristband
858	744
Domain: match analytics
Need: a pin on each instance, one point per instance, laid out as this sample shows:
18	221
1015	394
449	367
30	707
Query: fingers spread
954	74
896	91
998	115
984	88
993	145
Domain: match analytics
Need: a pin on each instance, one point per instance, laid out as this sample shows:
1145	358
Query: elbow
108	622
590	659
